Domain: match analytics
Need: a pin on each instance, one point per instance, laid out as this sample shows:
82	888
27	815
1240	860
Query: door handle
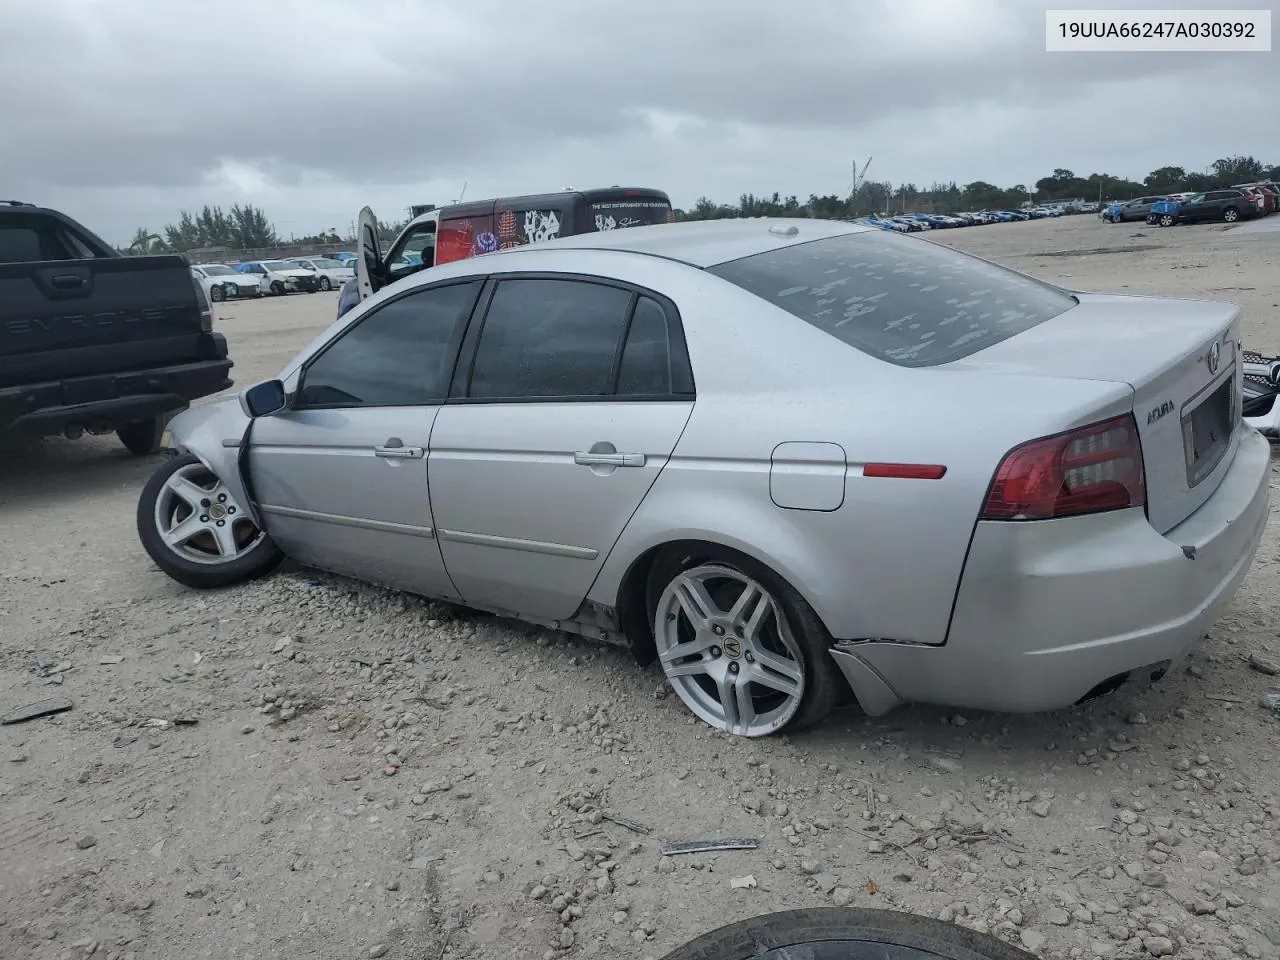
394	449
609	459
67	281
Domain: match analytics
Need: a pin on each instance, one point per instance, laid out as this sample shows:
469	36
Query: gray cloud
135	108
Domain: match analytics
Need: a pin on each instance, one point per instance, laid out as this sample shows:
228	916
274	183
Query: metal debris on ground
744	883
631	825
1272	702
41	708
710	846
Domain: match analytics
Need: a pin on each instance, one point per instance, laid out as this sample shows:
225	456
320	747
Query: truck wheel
142	437
192	527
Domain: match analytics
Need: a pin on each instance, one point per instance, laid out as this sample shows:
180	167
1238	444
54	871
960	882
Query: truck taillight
1088	470
204	306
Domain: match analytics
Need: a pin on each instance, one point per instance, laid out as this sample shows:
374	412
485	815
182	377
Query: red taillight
1088	470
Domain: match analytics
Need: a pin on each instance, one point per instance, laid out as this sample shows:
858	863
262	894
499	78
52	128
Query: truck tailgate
127	311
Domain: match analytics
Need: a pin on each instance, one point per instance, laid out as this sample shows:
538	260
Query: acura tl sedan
793	462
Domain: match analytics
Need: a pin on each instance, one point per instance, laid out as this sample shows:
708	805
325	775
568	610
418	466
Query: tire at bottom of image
845	933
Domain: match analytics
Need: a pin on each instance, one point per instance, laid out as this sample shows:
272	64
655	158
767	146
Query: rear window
907	301
630	212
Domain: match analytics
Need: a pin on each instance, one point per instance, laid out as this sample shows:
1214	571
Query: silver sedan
792	461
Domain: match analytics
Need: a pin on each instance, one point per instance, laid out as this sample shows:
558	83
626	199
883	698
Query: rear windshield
908	301
630	212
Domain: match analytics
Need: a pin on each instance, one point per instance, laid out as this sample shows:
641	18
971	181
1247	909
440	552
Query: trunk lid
1180	358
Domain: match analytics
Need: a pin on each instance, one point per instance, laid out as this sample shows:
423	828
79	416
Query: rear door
569	398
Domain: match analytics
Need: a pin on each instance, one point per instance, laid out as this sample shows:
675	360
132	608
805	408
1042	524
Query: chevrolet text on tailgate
93	341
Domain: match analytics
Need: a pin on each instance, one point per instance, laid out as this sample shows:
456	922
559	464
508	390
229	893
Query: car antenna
464	191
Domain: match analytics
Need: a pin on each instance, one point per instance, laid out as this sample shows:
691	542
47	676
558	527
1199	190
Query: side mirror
264	399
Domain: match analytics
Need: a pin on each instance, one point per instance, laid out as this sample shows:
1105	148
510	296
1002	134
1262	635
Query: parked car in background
1128	210
1264	198
332	274
1225	205
220	282
342	257
278	277
95	342
662	437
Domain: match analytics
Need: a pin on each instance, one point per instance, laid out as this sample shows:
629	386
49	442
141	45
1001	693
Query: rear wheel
191	525
142	437
1231	215
740	647
1166	220
845	933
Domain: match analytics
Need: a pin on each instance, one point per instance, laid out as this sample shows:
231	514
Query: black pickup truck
92	341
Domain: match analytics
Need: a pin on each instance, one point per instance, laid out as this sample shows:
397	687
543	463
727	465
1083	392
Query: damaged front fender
217	433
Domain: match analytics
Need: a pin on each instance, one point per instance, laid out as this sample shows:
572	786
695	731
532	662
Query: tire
1166	220
217	293
277	288
796	639
197	561
1230	215
325	285
845	933
142	437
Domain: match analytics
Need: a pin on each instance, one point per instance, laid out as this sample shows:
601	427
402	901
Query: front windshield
275	266
216	270
328	264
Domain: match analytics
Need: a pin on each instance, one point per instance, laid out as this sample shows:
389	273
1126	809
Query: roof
705	243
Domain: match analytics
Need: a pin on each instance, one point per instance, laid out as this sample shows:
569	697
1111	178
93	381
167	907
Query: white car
278	277
332	273
220	282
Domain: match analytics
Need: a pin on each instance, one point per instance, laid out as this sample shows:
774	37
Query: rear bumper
1051	612
115	398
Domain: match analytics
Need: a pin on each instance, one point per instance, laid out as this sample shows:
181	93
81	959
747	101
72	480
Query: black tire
260	560
277	288
217	293
1166	220
845	933
1230	215
325	285
825	686
142	437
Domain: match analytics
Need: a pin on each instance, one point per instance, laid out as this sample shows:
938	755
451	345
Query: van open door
369	268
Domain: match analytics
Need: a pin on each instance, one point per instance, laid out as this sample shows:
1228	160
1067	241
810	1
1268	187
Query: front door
341	476
567	406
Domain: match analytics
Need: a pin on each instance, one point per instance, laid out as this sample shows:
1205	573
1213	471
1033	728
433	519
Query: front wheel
277	288
846	933
325	285
191	525
1231	215
217	293
1166	220
740	647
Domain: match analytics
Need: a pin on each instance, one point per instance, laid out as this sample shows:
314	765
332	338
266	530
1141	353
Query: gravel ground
309	768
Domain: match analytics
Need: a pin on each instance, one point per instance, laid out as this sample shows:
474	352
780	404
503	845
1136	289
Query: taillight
204	306
1088	470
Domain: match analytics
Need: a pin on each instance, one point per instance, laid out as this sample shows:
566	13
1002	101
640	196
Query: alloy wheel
727	650
198	518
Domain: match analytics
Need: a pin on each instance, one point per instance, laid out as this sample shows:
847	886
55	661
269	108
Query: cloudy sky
123	112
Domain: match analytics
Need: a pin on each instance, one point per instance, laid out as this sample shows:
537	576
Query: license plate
1206	431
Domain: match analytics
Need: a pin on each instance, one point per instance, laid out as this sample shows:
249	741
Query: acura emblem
1215	354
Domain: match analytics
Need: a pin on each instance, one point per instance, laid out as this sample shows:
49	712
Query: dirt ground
308	768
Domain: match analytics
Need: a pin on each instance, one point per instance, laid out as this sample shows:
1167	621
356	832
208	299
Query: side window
646	357
397	356
549	338
465	237
518	227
